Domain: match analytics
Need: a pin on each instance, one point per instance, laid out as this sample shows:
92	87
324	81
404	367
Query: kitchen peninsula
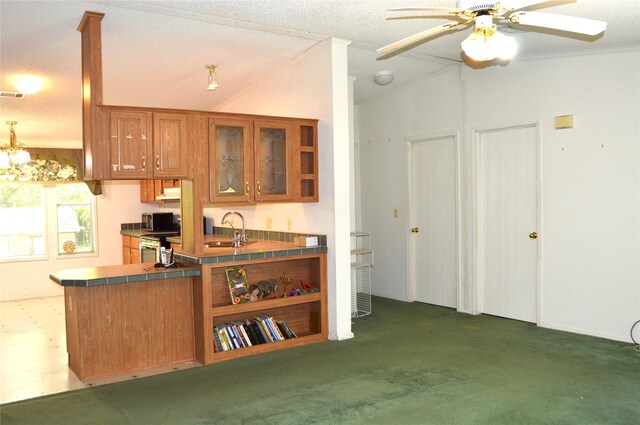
131	317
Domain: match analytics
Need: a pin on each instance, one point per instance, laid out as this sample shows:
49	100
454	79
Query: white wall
590	232
590	193
30	279
428	107
313	86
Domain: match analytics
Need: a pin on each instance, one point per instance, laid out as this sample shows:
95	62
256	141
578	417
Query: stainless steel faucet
239	238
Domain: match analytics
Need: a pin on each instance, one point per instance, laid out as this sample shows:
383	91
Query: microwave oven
158	222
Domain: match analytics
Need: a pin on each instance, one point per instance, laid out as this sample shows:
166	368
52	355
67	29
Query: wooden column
93	147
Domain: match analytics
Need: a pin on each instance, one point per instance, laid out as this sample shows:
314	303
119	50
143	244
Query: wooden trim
96	155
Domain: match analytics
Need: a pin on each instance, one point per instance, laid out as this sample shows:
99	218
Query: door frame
410	244
476	133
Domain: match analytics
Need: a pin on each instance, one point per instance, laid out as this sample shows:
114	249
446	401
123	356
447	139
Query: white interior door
508	217
433	221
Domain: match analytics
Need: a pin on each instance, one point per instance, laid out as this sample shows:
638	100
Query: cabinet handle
246	185
259	187
144	164
157	162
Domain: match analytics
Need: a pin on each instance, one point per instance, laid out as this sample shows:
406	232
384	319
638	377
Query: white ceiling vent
11	95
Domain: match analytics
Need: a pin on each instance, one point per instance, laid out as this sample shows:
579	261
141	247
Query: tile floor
33	352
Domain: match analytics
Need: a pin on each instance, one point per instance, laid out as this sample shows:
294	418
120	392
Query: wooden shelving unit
306	314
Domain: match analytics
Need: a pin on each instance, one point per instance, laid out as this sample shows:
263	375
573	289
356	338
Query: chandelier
14	152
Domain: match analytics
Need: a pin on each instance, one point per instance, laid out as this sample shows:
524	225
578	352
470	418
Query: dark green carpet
409	364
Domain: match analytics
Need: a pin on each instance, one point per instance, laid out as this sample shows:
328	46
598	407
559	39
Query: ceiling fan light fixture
383	78
503	46
212	83
486	43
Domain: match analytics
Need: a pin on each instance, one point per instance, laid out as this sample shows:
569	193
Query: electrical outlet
395	213
289	223
268	223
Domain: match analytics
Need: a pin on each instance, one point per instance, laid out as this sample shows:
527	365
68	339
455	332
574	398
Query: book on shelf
255	340
262	336
261	329
243	334
217	341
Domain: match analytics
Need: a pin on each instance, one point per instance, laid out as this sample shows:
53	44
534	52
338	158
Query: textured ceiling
155	52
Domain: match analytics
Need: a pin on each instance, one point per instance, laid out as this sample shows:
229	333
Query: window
22	221
75	218
32	214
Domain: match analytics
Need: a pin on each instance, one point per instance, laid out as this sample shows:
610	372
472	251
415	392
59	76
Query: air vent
11	95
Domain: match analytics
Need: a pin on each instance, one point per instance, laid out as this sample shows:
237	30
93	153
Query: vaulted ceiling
155	52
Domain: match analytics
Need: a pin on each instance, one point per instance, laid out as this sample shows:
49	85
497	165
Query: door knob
533	235
415	229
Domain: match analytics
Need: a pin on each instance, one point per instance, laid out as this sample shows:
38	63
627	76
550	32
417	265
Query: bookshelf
305	314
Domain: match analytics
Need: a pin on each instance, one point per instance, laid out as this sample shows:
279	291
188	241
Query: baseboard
620	338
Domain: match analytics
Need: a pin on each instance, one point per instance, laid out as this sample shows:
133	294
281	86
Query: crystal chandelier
14	152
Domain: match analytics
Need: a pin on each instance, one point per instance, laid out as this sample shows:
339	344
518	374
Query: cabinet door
135	250
273	152
131	147
169	145
230	160
126	249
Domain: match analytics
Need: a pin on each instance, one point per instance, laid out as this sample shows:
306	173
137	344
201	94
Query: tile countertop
110	275
257	249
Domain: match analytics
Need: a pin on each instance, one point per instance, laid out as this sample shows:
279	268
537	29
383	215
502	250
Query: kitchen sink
225	244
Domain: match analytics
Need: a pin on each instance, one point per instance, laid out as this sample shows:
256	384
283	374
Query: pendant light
14	152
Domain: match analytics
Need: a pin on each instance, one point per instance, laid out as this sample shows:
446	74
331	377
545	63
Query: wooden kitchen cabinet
147	145
305	161
230	160
130	249
150	189
273	156
130	144
262	160
170	144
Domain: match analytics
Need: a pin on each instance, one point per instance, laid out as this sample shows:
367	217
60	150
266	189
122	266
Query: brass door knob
533	235
415	229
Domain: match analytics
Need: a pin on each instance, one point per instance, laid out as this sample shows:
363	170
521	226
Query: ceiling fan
485	42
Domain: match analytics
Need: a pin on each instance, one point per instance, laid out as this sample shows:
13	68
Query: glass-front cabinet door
273	160
230	160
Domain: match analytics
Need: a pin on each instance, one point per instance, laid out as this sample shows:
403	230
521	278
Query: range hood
169	194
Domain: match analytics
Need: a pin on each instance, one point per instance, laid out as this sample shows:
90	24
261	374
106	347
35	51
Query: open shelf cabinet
305	314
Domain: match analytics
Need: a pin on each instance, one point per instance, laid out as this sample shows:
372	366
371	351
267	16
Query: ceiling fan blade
520	4
559	22
418	37
426	9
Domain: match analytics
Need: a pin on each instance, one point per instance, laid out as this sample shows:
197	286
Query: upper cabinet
169	145
262	160
230	160
145	145
130	144
306	161
273	154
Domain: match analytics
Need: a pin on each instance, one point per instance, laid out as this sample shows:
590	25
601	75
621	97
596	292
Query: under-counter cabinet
130	250
263	160
144	145
305	314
